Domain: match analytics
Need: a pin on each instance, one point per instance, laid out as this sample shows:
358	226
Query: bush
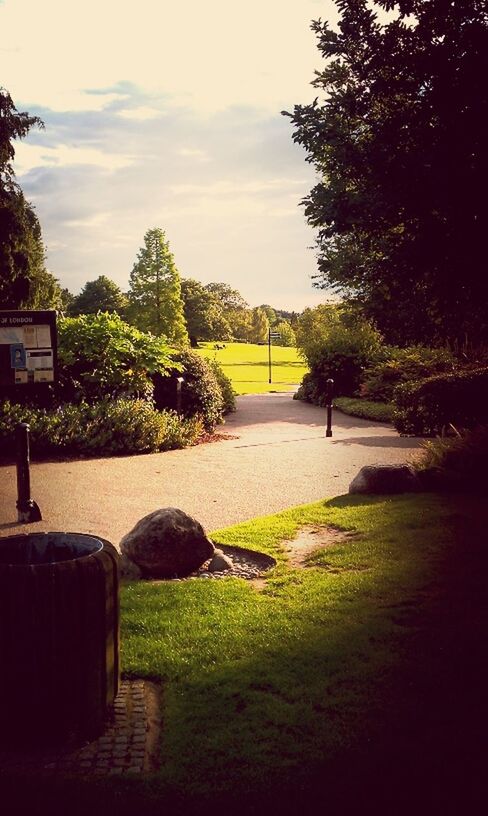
403	365
106	427
429	407
458	462
101	356
339	344
201	394
228	393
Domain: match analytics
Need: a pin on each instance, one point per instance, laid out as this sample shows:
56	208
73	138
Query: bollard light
328	397
179	383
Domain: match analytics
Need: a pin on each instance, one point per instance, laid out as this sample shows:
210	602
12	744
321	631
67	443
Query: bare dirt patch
309	539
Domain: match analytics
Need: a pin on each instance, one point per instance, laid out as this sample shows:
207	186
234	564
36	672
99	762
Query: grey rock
385	479
128	569
167	543
220	562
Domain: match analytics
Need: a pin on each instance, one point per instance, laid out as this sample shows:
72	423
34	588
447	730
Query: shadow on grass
410	739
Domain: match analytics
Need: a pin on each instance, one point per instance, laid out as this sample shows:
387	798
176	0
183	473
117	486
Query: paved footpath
279	459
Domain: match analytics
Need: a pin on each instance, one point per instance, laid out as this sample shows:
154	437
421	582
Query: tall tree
259	326
203	313
155	302
24	280
100	295
398	139
236	310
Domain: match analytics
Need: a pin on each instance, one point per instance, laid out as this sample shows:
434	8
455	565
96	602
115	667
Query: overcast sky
168	115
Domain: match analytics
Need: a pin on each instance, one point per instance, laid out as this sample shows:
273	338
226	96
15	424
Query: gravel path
279	459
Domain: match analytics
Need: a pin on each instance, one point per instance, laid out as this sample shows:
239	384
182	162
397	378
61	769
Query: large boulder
385	479
167	544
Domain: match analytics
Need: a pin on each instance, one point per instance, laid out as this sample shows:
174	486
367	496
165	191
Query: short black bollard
27	509
179	383
328	398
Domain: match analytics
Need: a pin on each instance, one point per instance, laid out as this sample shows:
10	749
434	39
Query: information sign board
28	347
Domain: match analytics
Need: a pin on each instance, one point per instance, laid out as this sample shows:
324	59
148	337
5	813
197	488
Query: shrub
459	461
403	365
228	393
337	343
201	394
106	427
101	356
429	407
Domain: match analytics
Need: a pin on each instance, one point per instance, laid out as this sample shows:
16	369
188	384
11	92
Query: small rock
220	562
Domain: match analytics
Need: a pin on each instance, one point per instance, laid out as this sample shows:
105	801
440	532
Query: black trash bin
59	637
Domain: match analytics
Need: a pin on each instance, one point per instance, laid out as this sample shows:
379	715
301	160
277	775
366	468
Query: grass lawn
247	366
360	680
377	411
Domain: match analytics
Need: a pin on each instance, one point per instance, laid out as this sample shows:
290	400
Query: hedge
431	406
107	427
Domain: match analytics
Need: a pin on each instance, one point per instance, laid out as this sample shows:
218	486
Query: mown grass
365	409
247	366
324	664
359	678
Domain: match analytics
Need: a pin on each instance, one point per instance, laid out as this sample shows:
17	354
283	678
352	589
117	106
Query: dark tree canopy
24	280
204	313
100	295
399	141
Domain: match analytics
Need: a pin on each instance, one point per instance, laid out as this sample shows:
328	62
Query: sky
168	115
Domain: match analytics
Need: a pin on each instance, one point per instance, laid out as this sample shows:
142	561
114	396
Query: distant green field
247	366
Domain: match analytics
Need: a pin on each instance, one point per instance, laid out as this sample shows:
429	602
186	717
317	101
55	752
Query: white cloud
29	156
212	54
142	113
169	115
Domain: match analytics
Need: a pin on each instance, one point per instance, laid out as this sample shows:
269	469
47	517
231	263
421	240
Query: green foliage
106	427
204	313
24	281
365	409
433	405
400	102
236	311
155	302
458	461
288	338
201	394
259	326
401	365
101	356
337	343
225	384
100	295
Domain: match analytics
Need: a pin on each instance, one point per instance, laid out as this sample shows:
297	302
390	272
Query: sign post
28	348
271	336
28	358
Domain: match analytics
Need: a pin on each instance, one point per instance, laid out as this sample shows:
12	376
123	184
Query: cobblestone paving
129	743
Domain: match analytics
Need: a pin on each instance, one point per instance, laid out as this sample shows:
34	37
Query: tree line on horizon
183	310
397	138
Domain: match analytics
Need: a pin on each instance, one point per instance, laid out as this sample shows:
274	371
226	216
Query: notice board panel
28	347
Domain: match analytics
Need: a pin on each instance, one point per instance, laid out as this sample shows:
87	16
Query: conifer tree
155	302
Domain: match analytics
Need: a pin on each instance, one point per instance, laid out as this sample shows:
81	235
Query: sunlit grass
261	684
247	366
